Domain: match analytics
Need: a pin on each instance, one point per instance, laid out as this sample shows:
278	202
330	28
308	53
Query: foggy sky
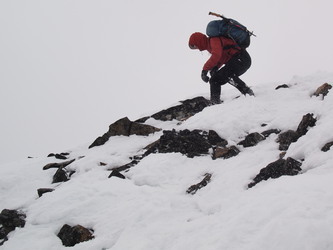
68	69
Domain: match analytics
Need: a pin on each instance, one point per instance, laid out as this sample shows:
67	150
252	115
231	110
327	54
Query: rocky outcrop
9	220
290	136
180	112
124	127
277	169
70	236
190	143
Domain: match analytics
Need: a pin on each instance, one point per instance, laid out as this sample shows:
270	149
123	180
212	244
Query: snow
150	209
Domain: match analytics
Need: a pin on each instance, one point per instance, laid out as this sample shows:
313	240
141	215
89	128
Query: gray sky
68	69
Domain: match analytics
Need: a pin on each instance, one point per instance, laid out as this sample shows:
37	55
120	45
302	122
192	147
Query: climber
226	63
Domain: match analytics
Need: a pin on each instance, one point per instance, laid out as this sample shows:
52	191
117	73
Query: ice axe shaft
215	14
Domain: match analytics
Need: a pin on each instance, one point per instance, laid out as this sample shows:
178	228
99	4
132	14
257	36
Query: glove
204	76
213	71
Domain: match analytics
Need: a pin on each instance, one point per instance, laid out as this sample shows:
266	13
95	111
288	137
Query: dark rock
183	111
307	121
42	191
226	152
252	140
70	236
277	169
61	156
327	146
194	188
282	86
290	136
215	140
124	127
9	220
60	176
286	138
116	173
190	143
323	90
267	133
58	165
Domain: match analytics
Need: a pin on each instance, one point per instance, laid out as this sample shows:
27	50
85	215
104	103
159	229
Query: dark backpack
230	28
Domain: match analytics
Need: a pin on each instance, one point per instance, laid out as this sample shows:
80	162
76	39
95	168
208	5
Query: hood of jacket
199	40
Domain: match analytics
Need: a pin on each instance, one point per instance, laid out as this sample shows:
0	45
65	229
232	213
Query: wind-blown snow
150	209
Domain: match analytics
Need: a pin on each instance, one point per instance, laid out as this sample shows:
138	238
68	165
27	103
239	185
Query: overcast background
68	69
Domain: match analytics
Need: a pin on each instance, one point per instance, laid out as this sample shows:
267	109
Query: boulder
42	191
9	220
290	136
225	152
323	90
277	169
70	236
124	127
252	140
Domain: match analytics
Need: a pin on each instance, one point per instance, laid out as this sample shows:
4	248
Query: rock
60	176
194	188
183	111
323	90
42	191
290	136
286	138
190	143
327	146
226	152
124	127
61	156
307	121
9	220
277	169
70	236
252	140
116	173
282	86
215	140
267	133
58	165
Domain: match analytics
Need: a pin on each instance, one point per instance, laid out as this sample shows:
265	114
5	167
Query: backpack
229	28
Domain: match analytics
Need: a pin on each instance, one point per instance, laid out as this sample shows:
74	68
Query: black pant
237	66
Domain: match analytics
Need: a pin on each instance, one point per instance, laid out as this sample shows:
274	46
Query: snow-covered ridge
150	208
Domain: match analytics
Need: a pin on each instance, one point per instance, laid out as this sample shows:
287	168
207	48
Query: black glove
204	76
213	71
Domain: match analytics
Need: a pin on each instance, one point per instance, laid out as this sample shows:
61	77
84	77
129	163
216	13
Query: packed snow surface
150	209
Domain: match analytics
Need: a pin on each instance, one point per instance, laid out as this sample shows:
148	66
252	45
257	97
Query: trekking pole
223	17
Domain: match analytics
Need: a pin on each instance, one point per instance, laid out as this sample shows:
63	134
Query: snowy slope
150	209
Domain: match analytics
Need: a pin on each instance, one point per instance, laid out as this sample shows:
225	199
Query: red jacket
217	47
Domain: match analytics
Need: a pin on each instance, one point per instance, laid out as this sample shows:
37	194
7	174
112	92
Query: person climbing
226	63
